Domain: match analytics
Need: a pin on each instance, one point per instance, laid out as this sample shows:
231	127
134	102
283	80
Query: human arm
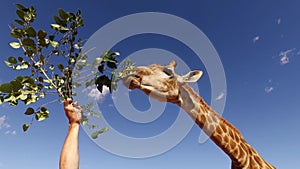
69	158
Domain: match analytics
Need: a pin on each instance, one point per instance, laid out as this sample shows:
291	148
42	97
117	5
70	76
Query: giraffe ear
192	76
173	63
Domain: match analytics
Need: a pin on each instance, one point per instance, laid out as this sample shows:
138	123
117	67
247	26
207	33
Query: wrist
74	124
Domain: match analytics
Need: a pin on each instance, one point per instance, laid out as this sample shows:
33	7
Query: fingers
68	101
75	104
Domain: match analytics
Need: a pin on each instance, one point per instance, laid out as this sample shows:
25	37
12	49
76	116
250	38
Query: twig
52	101
39	67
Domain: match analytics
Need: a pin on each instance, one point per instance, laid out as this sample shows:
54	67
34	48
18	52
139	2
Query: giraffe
163	84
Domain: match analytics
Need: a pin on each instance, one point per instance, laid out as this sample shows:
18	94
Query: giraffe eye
168	72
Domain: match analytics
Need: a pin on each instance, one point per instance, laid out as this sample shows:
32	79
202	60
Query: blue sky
258	44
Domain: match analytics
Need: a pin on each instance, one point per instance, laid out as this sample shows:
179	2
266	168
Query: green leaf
101	81
24	65
28	43
63	14
16	85
20	59
17	33
6	88
27	80
25	127
42	114
9	64
29	111
42	34
12	60
15	45
59	28
101	68
60	67
85	120
29	52
112	65
22	23
31	32
44	109
79	67
1	99
94	135
32	98
54	44
55	26
21	14
41	79
42	58
19	78
42	95
78	13
12	100
90	83
97	133
20	6
98	61
43	42
113	54
57	20
23	96
12	86
51	67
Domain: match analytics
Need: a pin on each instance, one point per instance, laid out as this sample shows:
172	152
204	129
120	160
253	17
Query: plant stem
40	68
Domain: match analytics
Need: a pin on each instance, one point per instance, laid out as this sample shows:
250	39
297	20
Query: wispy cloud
6	126
270	86
279	21
269	89
285	56
220	96
3	123
95	94
255	39
284	60
11	132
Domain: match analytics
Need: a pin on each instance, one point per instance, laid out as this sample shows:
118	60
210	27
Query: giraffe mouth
132	82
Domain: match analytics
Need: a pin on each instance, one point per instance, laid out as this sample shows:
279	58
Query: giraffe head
160	82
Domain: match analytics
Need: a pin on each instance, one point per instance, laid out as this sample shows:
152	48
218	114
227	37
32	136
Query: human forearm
69	158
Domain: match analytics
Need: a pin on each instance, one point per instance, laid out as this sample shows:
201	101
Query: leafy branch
44	76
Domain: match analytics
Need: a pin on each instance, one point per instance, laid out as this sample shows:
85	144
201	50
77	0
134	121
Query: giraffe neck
221	132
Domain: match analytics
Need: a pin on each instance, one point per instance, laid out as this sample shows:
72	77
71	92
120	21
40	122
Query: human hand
73	111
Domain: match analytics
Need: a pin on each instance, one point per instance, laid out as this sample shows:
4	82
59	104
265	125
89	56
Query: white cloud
285	56
270	86
221	96
11	132
2	120
256	38
269	89
3	123
284	60
279	21
95	94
